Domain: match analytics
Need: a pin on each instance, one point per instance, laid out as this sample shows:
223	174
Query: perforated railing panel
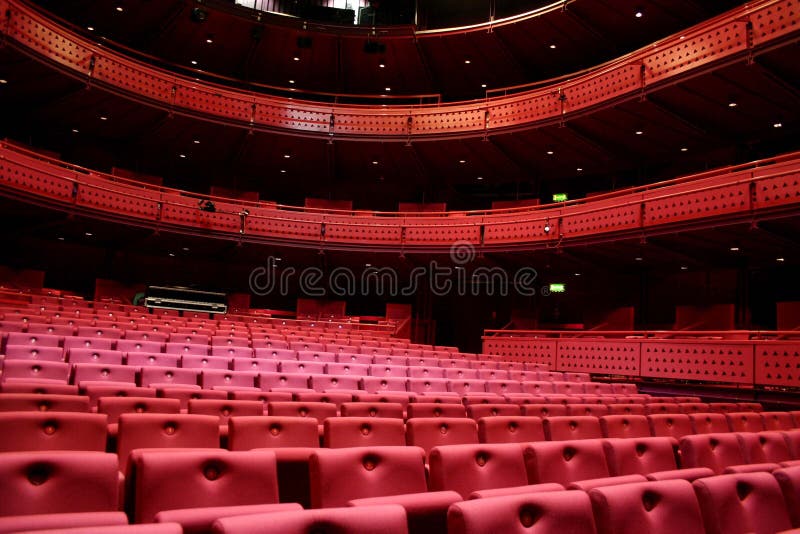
601	220
778	363
29	174
778	190
99	193
598	356
520	349
709	361
694	205
775	20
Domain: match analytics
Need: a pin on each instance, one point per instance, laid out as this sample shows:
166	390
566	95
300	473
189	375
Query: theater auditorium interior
392	267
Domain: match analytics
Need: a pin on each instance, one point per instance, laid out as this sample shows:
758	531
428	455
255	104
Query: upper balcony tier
457	50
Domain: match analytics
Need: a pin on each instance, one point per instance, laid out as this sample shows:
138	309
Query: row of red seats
468	487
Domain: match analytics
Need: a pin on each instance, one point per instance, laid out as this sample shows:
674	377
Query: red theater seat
312	410
670	425
302	367
718	452
653	457
380	384
212	378
175	480
34	352
744	421
624	426
709	423
430	432
476	411
37	431
102	356
595	410
510	429
55	372
58	482
69	523
359	520
564	462
533	513
435	409
777	420
35	402
366	476
572	427
469	468
268	381
156	374
113	407
789	480
90	372
342	432
544	410
662	507
662	407
153	430
742	503
185	392
625	409
205	362
372	409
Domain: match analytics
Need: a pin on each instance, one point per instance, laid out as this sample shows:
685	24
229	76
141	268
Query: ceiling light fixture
579	169
3	81
467	62
283	171
462	161
552	47
90	28
287	156
196	141
732	104
194	62
734	249
483	85
182	156
780	260
291	81
638	258
171	254
639	132
75	130
103	118
382	65
777	125
88	234
296	58
388	88
684	149
549	152
120	9
210	38
479	178
374	162
684	268
638	13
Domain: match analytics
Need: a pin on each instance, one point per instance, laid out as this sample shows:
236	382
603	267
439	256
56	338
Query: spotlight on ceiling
199	15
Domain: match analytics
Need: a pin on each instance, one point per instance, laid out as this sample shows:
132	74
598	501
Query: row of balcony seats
536	487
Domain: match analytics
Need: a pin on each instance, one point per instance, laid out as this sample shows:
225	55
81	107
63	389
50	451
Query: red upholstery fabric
572	427
532	513
664	507
639	455
194	361
764	447
36	369
225	409
742	503
544	410
151	430
210	378
332	396
52	482
515	490
383	384
476	411
172	480
372	409
113	407
34	402
304	367
432	409
662	407
102	356
42	431
744	422
252	432
39	387
587	485
185	393
777	420
345	368
201	520
510	429
693	407
341	475
468	468
427	385
626	409
255	365
314	410
363	432
156	374
789	480
709	423
593	409
78	520
670	425
715	451
386	519
267	381
432	432
564	462
624	426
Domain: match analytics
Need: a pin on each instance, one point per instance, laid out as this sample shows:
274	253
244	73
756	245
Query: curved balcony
738	34
748	192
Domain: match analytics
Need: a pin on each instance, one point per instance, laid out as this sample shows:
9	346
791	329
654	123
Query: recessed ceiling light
194	62
549	152
577	274
185	249
3	81
779	260
88	234
287	156
120	9
638	258
638	14
734	249
388	88
684	268
296	58
61	239
210	39
171	254
777	125
375	162
483	85
579	169
382	65
732	104
103	118
283	171
75	130
367	265
684	149
552	47
182	155
291	81
467	61
479	178
639	132
90	28
462	161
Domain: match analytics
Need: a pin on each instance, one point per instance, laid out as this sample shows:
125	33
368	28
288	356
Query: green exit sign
559	197
558	288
